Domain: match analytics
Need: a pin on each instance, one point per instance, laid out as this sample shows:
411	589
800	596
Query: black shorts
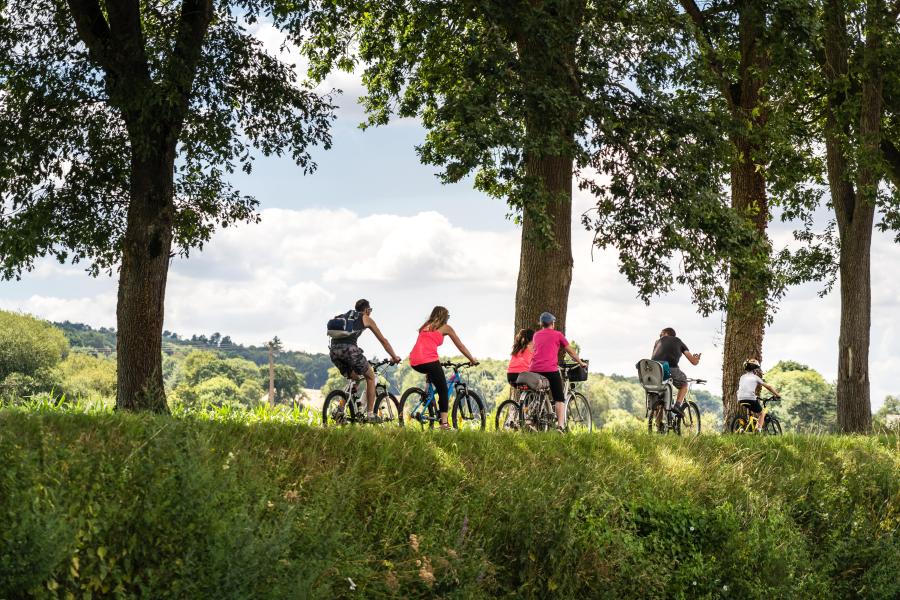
349	360
511	378
754	405
556	385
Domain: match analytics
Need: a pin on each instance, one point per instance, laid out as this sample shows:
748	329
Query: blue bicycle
420	406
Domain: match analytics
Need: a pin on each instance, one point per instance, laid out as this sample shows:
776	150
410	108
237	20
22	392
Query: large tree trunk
854	208
142	284
548	61
545	267
747	293
746	316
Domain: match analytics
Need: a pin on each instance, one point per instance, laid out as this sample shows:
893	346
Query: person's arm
770	388
448	331
692	358
571	352
370	323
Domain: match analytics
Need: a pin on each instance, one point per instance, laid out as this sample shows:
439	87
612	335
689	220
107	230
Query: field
117	505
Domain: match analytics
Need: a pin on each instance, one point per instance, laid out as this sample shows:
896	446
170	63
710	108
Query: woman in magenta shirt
547	344
424	356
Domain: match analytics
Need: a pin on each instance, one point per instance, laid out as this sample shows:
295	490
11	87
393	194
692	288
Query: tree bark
854	206
142	282
746	317
545	269
747	294
548	63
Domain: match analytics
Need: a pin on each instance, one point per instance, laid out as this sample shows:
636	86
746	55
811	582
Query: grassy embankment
165	507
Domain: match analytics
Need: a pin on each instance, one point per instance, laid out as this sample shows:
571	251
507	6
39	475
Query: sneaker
676	408
374	419
562	429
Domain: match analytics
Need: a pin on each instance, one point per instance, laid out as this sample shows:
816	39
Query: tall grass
254	505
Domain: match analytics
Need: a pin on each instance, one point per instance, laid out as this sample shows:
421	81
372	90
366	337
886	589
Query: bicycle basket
577	373
533	381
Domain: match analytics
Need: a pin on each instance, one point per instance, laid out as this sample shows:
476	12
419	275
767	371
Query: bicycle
420	406
347	406
746	421
661	416
534	409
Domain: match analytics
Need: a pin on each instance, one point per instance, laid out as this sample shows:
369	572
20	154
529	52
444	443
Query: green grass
153	506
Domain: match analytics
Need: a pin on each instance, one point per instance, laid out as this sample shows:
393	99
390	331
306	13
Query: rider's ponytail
523	338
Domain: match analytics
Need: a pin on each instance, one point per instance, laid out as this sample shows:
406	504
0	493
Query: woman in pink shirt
424	356
547	344
522	351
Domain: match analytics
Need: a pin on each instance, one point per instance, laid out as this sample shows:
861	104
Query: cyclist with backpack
547	344
748	385
348	357
424	356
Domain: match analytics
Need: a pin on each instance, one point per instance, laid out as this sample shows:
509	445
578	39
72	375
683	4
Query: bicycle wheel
741	424
772	426
336	410
689	424
656	421
413	410
578	414
387	409
508	416
468	412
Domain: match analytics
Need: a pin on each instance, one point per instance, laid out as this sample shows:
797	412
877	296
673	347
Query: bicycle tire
413	411
739	424
772	426
387	408
468	412
340	415
584	420
508	416
690	422
661	427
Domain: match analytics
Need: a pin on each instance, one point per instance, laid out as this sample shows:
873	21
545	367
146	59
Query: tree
30	351
288	382
888	416
744	61
529	97
857	45
119	124
808	401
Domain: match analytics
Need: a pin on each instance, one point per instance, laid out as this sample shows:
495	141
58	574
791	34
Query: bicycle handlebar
700	381
376	365
454	365
565	364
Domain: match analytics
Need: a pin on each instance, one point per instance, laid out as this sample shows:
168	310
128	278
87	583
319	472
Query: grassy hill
162	507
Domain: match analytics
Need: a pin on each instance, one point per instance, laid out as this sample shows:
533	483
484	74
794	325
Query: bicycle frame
455	388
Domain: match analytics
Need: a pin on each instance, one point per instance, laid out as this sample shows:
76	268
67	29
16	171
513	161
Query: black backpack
345	325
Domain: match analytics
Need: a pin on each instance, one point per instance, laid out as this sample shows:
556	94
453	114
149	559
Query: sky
373	222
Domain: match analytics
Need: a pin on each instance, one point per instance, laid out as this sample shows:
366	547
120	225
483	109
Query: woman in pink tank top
522	351
424	356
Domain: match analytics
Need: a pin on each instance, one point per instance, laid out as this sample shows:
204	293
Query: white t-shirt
747	386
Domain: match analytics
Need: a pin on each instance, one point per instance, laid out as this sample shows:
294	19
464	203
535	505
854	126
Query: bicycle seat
533	381
651	375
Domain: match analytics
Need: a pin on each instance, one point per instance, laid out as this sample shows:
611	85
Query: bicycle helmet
751	364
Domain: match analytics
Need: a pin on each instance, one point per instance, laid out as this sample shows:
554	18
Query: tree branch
196	15
705	39
93	30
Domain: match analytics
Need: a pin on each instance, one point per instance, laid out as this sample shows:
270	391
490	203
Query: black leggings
556	386
436	375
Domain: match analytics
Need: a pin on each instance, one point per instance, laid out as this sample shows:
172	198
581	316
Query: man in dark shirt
670	348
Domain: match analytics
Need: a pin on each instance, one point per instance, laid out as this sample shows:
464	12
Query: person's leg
370	390
679	380
439	381
559	397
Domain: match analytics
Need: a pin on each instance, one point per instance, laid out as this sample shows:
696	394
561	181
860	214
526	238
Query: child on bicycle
424	356
748	385
547	344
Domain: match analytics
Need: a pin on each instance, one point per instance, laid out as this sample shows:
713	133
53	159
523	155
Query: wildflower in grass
414	542
291	495
426	574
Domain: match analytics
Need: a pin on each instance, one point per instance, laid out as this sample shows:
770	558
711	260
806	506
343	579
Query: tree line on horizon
691	124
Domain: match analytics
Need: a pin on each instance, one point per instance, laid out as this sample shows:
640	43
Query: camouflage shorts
349	359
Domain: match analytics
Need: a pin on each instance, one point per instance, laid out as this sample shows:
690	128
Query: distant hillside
313	366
